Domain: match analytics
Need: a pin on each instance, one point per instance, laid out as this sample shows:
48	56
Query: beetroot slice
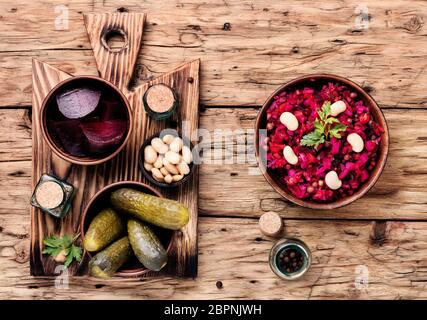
70	136
103	136
111	110
78	103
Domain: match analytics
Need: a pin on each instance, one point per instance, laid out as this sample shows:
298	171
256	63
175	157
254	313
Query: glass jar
289	244
57	210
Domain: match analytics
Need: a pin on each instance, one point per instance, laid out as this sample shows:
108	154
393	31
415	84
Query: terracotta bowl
317	80
149	176
100	200
49	105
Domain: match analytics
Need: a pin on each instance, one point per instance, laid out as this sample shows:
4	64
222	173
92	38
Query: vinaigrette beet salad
322	144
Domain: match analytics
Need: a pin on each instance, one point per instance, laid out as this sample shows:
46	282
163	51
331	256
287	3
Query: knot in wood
414	24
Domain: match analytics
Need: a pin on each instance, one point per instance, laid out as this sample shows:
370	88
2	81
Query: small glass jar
289	244
56	206
160	93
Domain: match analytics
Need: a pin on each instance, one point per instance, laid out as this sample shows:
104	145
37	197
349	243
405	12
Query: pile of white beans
167	158
289	120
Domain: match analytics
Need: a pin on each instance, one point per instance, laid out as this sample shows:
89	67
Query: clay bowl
148	174
316	81
100	200
49	108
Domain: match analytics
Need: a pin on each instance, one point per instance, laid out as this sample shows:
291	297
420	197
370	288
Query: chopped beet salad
321	143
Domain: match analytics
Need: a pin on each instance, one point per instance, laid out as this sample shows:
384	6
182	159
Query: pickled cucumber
165	213
106	227
146	246
108	261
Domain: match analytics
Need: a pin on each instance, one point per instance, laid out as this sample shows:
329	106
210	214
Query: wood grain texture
115	66
239	189
391	254
46	78
249	47
236	187
89	179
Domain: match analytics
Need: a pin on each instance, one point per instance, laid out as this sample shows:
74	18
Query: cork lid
271	224
160	98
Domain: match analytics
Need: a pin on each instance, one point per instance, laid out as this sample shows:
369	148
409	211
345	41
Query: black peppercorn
291	260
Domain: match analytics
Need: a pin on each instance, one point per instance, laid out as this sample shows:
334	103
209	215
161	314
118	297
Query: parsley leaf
319	126
325	127
52	251
335	131
53	241
54	245
313	139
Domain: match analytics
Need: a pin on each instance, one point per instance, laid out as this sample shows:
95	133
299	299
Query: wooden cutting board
116	67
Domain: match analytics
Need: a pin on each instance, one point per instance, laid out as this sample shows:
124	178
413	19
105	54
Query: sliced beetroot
70	135
78	103
103	136
111	110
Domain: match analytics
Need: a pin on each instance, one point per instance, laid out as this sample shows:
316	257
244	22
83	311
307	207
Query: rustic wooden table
247	49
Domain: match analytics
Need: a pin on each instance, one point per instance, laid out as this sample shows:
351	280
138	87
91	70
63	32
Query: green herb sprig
325	127
55	246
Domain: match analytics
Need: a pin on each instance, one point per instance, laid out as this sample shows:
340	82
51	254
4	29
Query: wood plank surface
249	47
115	64
236	188
391	254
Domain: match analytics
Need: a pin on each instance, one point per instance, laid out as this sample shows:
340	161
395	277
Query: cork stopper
160	98
49	195
271	224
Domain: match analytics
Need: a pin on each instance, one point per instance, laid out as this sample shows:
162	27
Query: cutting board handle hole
114	40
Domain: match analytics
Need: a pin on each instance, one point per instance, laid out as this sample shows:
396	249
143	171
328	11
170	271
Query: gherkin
105	263
106	227
165	213
146	246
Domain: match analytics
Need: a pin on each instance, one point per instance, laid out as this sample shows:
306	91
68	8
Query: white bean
289	120
159	146
148	166
332	180
168	178
150	155
159	162
290	155
183	168
157	174
177	177
176	144
338	107
164	172
159	179
170	167
168	138
187	155
356	142
173	157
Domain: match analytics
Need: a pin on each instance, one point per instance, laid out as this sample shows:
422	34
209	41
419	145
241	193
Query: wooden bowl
100	200
148	174
49	103
317	80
